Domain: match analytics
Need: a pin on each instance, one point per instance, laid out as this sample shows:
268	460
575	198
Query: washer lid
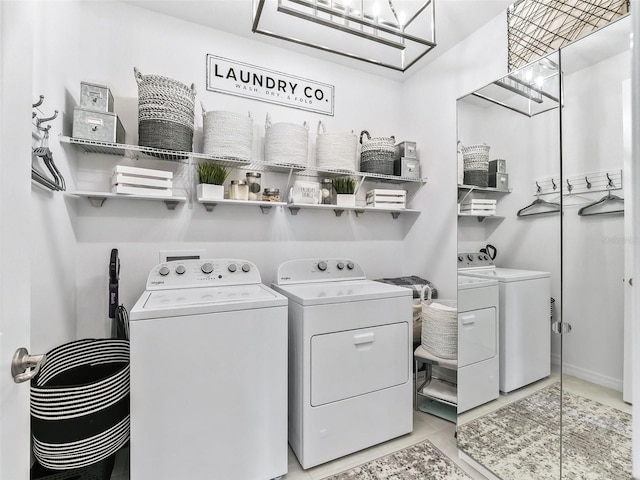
338	292
465	282
194	301
508	274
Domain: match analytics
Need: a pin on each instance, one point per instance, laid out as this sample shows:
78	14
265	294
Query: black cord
122	323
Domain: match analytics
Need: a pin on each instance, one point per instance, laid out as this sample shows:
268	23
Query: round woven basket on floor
476	164
336	150
80	403
227	134
439	326
165	112
286	143
377	154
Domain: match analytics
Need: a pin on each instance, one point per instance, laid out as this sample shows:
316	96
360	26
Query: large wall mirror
543	388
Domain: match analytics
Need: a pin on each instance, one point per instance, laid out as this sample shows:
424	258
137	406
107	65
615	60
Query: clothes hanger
606	199
553	207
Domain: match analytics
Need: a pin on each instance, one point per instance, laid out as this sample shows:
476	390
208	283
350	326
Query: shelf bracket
171	204
294	210
338	211
209	206
265	208
97	201
358	212
395	215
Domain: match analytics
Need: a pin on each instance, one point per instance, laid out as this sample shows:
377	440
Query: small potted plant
211	177
345	188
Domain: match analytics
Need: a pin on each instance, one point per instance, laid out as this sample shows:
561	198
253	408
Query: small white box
132	180
130	190
386	198
142	172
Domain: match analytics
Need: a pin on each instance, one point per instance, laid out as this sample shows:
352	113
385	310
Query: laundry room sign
249	81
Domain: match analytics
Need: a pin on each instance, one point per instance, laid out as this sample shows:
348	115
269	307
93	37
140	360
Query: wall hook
40	121
39	102
569	186
554	184
588	182
610	184
538	188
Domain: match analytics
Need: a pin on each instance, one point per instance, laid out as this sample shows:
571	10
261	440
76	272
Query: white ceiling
455	20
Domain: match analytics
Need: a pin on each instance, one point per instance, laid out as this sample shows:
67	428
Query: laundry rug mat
521	441
422	461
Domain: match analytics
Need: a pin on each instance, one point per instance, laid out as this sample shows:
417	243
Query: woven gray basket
377	161
165	135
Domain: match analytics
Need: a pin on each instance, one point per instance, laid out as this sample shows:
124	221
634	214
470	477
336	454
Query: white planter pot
207	191
346	200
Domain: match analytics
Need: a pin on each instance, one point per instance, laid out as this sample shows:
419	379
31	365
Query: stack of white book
386	198
142	181
478	206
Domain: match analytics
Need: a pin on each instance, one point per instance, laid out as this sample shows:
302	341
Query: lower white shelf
339	209
480	217
98	198
264	206
440	390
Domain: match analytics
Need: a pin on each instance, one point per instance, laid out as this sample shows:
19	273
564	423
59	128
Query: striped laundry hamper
80	404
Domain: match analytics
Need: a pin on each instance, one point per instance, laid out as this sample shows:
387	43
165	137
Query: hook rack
580	183
42	152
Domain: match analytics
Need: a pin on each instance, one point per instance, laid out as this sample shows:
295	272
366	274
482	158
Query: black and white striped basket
80	403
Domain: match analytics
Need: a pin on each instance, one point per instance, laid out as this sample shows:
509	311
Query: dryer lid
509	274
339	292
465	282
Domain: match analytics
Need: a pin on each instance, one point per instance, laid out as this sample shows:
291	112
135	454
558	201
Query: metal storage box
498	166
499	180
95	97
100	126
406	149
407	168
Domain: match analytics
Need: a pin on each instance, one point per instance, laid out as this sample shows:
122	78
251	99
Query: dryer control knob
340	265
232	267
180	269
460	258
322	265
164	271
350	265
470	257
206	268
246	267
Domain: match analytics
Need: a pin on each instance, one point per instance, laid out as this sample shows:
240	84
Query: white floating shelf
294	208
485	189
264	206
98	198
480	217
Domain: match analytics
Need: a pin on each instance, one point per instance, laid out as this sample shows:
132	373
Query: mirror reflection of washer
208	374
350	359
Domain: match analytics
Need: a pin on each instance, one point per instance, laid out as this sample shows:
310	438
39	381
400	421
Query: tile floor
427	427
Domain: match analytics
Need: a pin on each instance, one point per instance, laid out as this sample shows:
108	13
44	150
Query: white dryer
478	340
350	359
208	374
525	328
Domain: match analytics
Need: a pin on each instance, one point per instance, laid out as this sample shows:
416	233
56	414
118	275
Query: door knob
24	366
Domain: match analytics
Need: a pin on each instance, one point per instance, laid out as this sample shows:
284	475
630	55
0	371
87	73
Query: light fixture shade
391	33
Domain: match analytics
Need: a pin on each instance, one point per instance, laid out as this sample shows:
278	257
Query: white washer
525	333
478	340
350	357
208	374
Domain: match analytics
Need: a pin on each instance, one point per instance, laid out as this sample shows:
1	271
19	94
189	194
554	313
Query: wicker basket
286	143
227	134
439	326
476	164
336	150
377	154
80	403
165	112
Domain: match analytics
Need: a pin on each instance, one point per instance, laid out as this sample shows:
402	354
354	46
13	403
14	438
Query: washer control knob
246	267
470	257
460	258
206	268
232	267
340	265
350	265
180	269
164	271
322	265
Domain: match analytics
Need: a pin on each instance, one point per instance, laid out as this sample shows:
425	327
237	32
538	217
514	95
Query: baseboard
588	375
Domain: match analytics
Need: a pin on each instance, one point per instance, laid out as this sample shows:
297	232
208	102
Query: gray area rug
422	461
521	441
